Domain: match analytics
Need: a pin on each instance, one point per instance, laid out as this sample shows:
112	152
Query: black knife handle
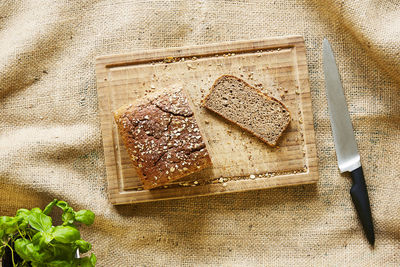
359	194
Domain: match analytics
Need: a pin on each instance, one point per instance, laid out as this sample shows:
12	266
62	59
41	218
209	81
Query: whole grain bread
162	138
247	107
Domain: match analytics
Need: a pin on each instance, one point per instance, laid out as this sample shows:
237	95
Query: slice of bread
247	107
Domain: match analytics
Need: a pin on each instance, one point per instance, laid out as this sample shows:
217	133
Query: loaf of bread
162	138
247	107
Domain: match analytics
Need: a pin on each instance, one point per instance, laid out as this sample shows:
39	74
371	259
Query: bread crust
267	97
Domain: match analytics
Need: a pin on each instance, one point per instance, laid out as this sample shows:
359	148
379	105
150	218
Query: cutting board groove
277	66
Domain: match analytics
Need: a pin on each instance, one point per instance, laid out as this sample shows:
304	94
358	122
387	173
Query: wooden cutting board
277	66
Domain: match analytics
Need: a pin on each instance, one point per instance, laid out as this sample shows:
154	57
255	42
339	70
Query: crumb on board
168	59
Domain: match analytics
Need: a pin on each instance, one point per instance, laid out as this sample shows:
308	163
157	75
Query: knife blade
347	153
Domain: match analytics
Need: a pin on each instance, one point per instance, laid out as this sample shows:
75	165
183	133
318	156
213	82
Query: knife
345	143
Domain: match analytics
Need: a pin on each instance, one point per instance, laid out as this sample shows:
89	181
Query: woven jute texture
50	138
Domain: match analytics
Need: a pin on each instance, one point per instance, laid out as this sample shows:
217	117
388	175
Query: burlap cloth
50	138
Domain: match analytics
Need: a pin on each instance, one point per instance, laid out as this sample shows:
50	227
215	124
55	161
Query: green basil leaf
63	251
22	218
23	225
85	216
93	259
28	251
49	207
83	245
20	247
59	263
8	224
23	214
2	234
65	234
40	222
42	239
36	210
62	205
68	216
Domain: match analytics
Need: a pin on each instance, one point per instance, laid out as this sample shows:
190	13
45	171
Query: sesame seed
252	176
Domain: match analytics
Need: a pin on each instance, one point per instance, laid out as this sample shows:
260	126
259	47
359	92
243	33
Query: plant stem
23	236
12	254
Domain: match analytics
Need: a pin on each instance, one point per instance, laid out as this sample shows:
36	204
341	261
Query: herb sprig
41	244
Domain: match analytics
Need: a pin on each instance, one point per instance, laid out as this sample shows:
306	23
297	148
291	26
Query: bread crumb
169	59
224	184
